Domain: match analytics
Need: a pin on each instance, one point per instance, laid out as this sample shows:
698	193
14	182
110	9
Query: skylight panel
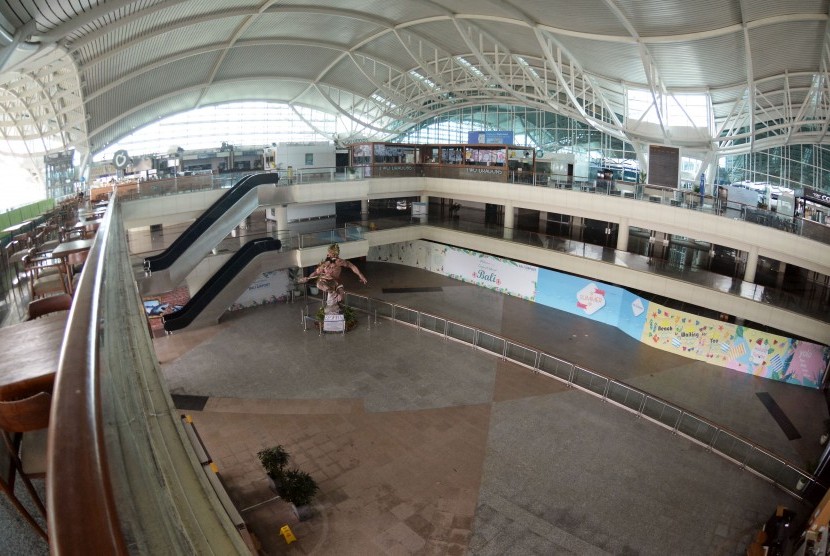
383	100
640	106
688	109
469	67
422	79
522	62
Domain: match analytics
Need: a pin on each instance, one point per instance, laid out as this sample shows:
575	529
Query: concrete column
751	264
509	220
779	278
364	210
281	212
543	222
425	200
622	235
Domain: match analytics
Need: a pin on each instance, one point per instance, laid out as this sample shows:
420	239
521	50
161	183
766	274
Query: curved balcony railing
687	199
123	479
814	306
715	438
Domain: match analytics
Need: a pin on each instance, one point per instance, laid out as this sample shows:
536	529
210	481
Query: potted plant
298	488
293	275
274	460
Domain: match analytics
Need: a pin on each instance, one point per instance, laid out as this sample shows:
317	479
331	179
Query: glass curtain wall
543	131
263	123
791	166
240	124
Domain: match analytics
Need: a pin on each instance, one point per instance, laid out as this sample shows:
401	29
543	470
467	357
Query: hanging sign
121	159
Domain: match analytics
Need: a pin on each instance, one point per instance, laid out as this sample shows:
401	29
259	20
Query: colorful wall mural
718	343
735	347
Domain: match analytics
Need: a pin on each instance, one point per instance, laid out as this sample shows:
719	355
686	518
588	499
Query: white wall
294	155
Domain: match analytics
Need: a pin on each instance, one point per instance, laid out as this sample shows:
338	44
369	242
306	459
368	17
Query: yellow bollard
286	532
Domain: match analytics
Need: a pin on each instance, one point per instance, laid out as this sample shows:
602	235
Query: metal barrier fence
728	444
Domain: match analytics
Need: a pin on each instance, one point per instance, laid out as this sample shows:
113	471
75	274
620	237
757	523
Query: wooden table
31	351
64	250
13	229
71	247
88	225
94	213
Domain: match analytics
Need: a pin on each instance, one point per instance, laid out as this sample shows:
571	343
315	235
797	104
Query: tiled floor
424	446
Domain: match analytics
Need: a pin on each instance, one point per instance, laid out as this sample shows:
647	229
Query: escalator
166	270
206	220
228	283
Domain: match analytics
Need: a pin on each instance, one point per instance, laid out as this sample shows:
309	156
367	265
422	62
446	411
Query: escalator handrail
186	314
206	219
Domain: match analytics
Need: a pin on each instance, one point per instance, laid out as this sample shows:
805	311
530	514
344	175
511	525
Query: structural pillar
622	235
751	264
425	200
364	210
509	221
779	278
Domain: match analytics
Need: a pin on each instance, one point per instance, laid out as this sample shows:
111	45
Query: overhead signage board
817	196
490	137
664	166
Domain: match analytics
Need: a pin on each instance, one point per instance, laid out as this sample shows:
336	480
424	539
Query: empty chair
46	277
48	305
23	425
49	239
15	252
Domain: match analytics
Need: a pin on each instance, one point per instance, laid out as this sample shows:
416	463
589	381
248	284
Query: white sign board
334	323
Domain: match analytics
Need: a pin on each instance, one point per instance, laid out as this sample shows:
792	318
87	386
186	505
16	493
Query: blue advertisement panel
490	137
633	314
741	349
580	296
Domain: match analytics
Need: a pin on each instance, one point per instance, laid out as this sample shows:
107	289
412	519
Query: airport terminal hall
415	278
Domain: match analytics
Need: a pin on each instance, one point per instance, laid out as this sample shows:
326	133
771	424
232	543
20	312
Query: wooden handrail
120	473
82	514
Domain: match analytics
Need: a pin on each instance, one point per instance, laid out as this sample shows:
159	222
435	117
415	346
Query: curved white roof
96	70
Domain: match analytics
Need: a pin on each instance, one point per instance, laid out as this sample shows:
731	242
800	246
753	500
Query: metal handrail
687	199
712	436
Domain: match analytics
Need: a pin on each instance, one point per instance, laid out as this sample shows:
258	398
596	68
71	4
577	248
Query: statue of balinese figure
327	275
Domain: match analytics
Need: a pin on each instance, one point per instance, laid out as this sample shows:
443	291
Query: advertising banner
269	287
632	315
580	296
419	254
718	343
491	272
735	347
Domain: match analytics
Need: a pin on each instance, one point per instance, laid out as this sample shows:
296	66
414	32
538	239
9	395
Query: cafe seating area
40	264
24	426
43	256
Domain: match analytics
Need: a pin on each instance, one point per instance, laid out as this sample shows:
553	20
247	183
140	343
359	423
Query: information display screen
664	166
